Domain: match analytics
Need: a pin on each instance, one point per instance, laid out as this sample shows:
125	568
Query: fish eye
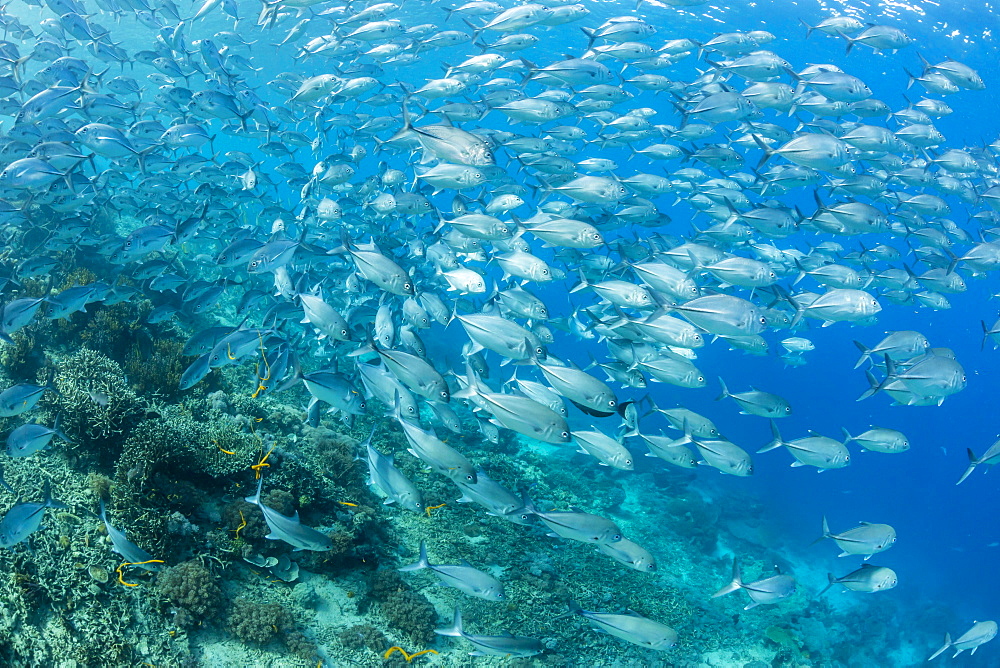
612	403
617	536
406	286
788	409
444	394
628	462
565	434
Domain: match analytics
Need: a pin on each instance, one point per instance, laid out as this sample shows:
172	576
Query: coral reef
191	590
95	403
406	610
260	623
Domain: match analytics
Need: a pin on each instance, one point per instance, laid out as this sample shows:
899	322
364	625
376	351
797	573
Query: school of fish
367	208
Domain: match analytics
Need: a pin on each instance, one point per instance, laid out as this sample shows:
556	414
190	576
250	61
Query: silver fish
464	577
288	528
504	645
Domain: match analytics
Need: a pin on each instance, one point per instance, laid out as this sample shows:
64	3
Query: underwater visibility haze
485	334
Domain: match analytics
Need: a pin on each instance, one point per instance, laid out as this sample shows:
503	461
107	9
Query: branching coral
94	401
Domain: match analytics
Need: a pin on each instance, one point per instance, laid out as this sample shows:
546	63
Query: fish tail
476	32
874	386
946	645
768	151
4	483
831	580
924	62
58	431
847	435
826	532
455	630
529	505
725	390
734	585
865	353
777	441
422	563
973	463
850	42
255	499
51	502
809	28
802	272
574	609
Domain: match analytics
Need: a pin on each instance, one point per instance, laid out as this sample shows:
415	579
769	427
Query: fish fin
972	466
735	584
725	390
455	630
255	499
11	489
51	502
946	645
421	563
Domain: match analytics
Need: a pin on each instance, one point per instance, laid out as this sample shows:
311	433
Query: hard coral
191	589
363	636
257	623
405	609
94	401
156	445
334	452
156	368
